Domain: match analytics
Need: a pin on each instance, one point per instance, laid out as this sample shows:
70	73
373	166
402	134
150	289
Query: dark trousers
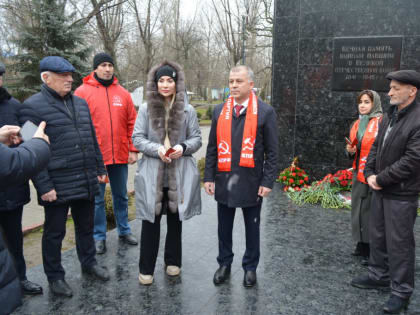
55	229
392	244
226	216
149	244
11	222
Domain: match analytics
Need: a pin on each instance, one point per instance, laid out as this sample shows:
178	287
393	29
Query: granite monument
324	53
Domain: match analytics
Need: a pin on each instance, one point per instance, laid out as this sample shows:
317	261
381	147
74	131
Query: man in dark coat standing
72	177
13	198
241	166
17	166
393	173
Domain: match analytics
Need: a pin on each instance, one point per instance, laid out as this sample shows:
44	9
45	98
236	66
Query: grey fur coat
148	135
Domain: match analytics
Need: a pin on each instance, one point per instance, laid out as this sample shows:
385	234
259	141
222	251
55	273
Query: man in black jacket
393	173
241	166
13	198
17	166
72	177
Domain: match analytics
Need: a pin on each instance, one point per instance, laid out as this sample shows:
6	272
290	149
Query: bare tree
146	15
110	23
262	22
139	33
229	28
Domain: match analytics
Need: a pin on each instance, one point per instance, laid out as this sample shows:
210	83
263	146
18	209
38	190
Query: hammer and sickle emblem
248	145
223	147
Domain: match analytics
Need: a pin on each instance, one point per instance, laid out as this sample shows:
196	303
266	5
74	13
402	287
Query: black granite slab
411	53
315	51
288	8
305	268
304	33
318	24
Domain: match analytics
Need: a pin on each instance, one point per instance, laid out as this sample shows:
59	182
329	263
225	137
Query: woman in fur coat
167	180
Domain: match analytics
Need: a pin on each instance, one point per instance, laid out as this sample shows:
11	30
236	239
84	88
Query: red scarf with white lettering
224	135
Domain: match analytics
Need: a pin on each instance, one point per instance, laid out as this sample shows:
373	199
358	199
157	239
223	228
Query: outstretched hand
9	135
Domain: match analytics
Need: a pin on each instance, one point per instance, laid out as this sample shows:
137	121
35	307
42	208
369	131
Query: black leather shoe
221	275
250	278
100	247
365	282
396	304
30	288
60	287
97	271
129	239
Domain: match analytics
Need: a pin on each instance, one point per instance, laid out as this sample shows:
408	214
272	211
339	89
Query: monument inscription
362	62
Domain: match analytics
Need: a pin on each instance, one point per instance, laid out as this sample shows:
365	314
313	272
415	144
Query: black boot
30	288
250	278
97	271
60	287
396	304
128	239
221	274
365	282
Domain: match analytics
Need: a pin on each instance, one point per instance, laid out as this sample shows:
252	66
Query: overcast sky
188	7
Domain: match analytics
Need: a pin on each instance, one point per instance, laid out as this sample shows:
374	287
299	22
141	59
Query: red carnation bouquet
342	180
293	177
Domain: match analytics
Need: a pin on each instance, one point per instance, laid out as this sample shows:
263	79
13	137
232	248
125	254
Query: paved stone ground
305	268
33	214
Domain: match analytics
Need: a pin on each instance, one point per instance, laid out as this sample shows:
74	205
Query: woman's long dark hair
365	92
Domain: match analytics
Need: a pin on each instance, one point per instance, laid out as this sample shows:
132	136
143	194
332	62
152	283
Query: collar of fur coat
156	105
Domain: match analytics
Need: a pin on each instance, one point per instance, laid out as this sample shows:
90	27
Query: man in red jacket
113	116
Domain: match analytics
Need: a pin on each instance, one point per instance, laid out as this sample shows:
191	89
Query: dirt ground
32	241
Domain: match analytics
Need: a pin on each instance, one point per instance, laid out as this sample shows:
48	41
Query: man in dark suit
241	166
71	179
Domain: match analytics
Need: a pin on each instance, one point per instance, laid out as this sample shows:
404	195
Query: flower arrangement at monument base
293	177
342	179
326	192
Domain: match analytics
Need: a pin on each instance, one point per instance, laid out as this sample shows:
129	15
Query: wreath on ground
330	192
327	192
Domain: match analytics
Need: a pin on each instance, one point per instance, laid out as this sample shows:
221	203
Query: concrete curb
36	227
32	228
